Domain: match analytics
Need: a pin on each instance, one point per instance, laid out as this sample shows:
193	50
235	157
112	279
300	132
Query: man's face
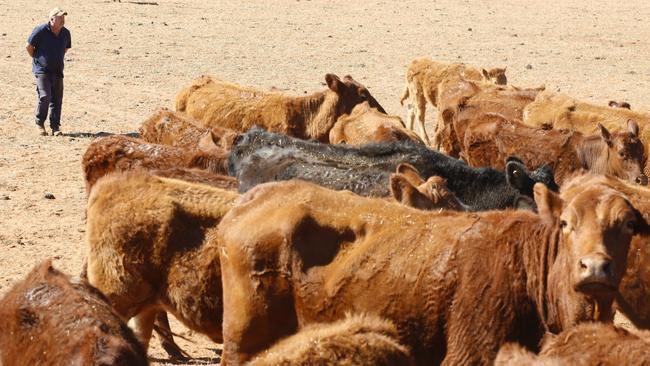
58	21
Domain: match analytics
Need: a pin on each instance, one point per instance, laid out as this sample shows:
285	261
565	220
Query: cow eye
630	225
563	224
363	97
622	154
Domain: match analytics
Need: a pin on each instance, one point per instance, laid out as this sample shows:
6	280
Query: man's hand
65	51
30	49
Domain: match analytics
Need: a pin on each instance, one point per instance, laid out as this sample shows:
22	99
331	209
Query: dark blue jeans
49	94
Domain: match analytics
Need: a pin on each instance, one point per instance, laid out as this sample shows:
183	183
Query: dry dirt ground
130	57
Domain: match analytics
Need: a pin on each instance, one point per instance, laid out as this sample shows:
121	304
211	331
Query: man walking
47	46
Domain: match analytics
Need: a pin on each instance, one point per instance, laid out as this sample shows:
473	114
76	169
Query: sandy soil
129	58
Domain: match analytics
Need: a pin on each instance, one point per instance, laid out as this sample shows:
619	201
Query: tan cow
151	248
422	79
562	111
47	319
490	139
408	188
167	127
457	285
583	345
367	125
219	103
122	153
354	340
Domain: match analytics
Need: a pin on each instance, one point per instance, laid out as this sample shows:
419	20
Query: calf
408	188
490	138
259	157
422	79
219	103
366	125
294	253
562	111
151	248
166	127
583	345
355	340
48	320
121	153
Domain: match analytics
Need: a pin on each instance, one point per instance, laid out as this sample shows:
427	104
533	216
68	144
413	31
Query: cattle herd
319	230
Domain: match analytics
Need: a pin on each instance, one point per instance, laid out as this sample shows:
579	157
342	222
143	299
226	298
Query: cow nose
642	180
595	269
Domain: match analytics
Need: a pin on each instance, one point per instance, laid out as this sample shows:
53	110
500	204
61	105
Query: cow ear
633	127
406	193
517	175
486	74
605	134
206	143
333	82
613	104
549	203
409	172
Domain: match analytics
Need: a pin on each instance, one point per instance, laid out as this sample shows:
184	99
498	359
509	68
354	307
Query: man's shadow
93	135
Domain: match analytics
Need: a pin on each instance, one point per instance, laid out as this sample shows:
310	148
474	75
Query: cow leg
167	338
420	111
143	325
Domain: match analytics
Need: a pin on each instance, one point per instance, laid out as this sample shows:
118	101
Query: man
47	46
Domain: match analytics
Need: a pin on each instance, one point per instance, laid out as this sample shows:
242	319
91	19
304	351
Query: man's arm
30	49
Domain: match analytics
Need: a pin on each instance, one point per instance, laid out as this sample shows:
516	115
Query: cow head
625	155
595	225
408	188
518	177
350	93
496	76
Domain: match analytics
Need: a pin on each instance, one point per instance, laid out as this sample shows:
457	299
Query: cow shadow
191	361
93	135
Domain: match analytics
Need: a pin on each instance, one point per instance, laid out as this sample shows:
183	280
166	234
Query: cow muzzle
642	180
595	274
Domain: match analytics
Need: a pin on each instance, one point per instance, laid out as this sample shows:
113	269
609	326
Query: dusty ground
128	58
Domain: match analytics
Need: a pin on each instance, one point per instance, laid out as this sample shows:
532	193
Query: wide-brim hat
56	12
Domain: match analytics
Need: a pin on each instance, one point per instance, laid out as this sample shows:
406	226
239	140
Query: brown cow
490	139
422	79
457	285
562	111
167	127
151	248
220	103
633	298
355	340
122	153
408	188
367	125
461	99
48	320
583	345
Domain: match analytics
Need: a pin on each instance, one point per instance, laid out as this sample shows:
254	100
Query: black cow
259	156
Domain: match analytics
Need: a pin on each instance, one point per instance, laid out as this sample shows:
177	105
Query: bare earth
130	57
